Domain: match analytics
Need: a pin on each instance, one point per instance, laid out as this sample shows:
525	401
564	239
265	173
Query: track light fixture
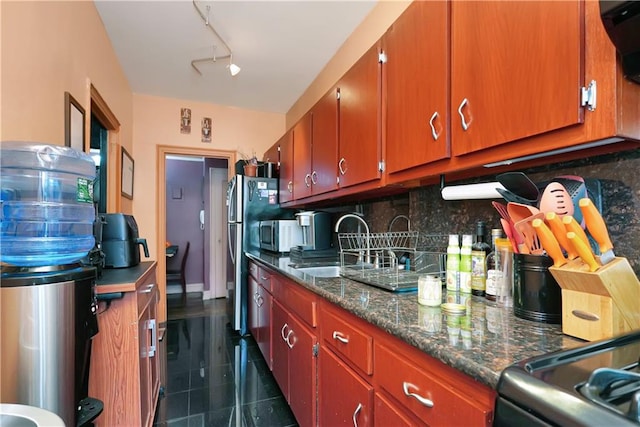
233	68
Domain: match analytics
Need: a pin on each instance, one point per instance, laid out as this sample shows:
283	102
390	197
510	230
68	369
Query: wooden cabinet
387	413
294	349
360	151
324	142
259	309
124	370
302	158
285	183
516	71
416	76
344	398
272	155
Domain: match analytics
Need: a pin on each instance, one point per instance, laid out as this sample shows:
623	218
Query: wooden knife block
599	304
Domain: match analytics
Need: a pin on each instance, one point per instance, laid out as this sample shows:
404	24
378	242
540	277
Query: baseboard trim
191	287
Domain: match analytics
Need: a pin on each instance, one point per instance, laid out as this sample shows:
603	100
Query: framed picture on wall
73	123
127	175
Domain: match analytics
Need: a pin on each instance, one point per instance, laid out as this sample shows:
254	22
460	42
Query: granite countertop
480	345
122	279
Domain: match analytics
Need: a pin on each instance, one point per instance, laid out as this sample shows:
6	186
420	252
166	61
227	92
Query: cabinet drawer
388	414
146	290
427	395
262	276
300	302
348	341
254	270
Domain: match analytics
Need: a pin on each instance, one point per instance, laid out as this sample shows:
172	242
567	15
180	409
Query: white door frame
217	232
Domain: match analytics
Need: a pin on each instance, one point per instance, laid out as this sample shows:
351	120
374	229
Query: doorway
162	151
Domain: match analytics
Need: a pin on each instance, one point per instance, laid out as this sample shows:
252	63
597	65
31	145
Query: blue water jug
46	198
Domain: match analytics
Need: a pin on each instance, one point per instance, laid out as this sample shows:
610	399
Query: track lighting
233	68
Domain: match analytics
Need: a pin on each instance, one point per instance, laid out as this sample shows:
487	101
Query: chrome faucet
397	217
359	218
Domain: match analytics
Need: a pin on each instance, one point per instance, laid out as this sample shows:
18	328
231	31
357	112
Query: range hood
622	21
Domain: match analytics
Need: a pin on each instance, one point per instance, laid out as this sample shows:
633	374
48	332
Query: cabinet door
302	158
285	193
272	155
359	129
516	70
154	355
416	76
324	143
145	374
302	373
252	312
344	398
388	414
264	324
279	348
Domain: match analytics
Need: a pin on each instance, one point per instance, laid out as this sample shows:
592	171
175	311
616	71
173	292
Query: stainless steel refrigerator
249	200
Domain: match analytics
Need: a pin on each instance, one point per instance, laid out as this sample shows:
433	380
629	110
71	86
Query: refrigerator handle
230	202
231	250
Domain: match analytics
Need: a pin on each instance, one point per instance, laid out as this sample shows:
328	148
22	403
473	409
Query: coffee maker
316	230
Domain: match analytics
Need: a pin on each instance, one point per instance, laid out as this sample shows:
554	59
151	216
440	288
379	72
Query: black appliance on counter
120	241
621	19
596	384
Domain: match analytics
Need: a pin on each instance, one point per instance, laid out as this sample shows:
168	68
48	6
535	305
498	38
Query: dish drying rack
392	260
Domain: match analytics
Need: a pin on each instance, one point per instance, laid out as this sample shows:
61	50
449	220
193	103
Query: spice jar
429	290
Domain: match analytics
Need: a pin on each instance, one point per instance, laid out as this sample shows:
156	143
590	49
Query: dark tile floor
215	377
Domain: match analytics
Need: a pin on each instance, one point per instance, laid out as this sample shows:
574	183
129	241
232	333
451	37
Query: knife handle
570	224
560	233
549	243
595	224
584	251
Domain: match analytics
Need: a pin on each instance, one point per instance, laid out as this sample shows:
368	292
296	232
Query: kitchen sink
321	271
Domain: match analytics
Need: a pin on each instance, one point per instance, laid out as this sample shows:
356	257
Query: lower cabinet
124	369
259	318
387	413
344	398
294	363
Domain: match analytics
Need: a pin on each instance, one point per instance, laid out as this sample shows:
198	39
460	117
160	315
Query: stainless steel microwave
280	235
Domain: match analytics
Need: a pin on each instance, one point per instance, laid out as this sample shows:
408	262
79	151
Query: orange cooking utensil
549	242
560	233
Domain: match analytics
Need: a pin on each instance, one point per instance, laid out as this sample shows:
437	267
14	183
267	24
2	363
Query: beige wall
49	48
384	13
157	122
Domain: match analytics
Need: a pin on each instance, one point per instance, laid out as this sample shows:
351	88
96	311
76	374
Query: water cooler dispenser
48	305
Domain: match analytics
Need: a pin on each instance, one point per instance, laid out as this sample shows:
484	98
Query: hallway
213	376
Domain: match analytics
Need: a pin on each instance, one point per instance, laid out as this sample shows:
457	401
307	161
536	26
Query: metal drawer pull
340	337
585	315
465	125
426	402
340	163
285	326
314	177
290	186
307	180
149	289
154	337
260	301
264	278
289	343
355	414
435	134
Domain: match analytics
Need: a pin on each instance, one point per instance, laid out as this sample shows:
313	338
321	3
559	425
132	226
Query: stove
596	384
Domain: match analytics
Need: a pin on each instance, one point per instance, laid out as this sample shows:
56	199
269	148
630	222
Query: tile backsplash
619	175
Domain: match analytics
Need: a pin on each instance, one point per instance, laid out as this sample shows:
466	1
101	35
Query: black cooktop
570	387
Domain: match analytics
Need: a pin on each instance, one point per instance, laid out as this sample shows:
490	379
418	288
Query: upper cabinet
272	155
416	76
285	193
516	70
324	143
302	158
360	151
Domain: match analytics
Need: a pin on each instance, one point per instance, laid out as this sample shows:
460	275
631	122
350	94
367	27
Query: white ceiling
281	47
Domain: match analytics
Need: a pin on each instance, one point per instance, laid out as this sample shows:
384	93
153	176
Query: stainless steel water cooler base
40	338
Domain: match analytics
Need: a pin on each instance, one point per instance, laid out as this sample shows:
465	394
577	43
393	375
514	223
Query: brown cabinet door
359	129
416	76
264	322
302	158
285	193
324	143
144	340
252	312
516	70
272	155
280	328
302	373
344	398
388	414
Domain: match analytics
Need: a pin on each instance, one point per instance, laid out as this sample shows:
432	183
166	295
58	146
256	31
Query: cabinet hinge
588	96
315	350
382	58
381	166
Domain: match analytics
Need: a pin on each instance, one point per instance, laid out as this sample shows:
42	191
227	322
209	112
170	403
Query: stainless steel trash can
38	311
